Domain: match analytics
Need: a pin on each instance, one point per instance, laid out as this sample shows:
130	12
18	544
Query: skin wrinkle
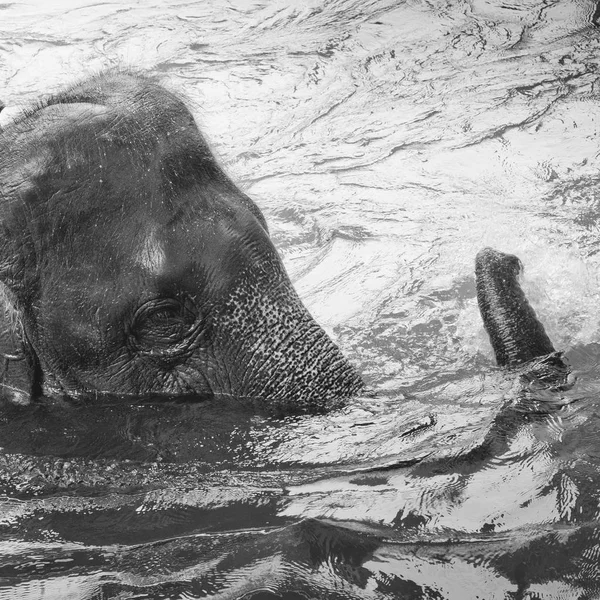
288	338
176	370
191	380
12	315
253	308
337	374
227	381
287	384
124	368
241	381
279	349
248	295
239	355
214	375
191	355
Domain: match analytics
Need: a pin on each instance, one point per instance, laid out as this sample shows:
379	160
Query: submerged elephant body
132	265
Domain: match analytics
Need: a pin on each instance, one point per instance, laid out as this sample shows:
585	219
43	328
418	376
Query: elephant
131	265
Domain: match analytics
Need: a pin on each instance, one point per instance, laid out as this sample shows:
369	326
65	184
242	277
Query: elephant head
133	266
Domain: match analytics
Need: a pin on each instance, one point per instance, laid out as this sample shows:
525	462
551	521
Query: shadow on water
173	430
159	512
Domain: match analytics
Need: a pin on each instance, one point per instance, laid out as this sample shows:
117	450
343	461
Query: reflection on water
386	142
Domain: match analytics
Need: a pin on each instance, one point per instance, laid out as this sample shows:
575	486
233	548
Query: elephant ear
19	367
20	373
20	379
22	160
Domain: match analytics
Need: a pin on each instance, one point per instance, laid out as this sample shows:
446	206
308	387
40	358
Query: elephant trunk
516	334
278	355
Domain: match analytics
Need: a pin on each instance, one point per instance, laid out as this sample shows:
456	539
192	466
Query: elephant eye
161	325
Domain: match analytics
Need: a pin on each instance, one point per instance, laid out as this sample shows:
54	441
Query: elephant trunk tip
495	264
516	334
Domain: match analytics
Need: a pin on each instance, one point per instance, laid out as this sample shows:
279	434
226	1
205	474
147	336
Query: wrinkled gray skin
132	265
517	336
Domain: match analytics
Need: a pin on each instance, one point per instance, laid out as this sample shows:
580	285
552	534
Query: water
386	143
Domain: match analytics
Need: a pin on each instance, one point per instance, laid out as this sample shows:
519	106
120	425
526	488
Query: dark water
386	142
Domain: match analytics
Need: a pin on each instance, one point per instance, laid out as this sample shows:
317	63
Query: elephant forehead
32	141
103	153
148	262
202	256
84	300
151	254
206	260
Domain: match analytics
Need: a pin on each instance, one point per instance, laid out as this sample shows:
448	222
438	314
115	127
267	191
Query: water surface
386	142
